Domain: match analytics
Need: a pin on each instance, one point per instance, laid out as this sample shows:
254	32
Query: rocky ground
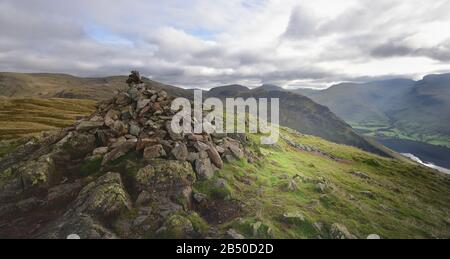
122	172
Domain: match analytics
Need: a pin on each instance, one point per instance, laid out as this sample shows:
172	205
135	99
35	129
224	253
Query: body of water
436	157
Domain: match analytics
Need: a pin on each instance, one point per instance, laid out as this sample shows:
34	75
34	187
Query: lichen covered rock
103	198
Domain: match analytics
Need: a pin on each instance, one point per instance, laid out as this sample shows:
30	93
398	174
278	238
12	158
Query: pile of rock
139	119
133	127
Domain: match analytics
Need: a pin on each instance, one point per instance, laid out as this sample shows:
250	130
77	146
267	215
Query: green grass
409	201
388	131
27	117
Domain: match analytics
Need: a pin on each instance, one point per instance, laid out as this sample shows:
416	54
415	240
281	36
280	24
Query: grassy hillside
24	117
298	188
301	113
335	184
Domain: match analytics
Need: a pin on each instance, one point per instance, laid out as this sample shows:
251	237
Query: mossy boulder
177	227
38	174
164	175
77	145
103	198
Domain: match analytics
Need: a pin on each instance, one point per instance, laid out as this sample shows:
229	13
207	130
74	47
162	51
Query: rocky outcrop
121	172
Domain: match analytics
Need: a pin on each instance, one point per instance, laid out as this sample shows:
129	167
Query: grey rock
373	237
142	103
123	99
174	136
89	125
199	197
339	231
321	187
135	130
180	152
100	151
103	198
215	157
204	169
293	218
153	152
120	151
143	198
233	234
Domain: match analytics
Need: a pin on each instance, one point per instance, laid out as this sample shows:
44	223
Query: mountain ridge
399	108
303	114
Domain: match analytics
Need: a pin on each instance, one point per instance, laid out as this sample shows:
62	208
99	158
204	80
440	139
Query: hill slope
118	176
20	85
25	117
298	112
301	113
397	108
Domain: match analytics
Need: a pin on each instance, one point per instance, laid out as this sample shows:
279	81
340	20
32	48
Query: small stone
373	237
73	237
293	218
233	234
135	130
339	231
123	99
204	169
110	117
180	152
200	146
120	127
146	142
174	136
120	151
256	226
318	226
89	125
292	185
143	198
199	197
215	157
220	149
142	103
321	187
153	152
100	151
221	183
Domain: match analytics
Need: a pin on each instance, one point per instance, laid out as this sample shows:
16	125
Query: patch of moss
90	167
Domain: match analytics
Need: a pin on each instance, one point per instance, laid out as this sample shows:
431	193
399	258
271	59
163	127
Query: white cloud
202	43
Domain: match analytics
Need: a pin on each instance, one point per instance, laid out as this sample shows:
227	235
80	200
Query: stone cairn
43	175
139	119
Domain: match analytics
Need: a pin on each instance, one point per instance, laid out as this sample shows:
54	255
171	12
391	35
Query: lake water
436	157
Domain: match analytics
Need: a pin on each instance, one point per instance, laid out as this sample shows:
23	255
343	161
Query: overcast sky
204	43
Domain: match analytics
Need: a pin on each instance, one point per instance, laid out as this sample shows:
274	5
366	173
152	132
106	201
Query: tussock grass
29	116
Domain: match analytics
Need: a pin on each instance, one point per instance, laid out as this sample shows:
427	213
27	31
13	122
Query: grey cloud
302	24
440	52
51	36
